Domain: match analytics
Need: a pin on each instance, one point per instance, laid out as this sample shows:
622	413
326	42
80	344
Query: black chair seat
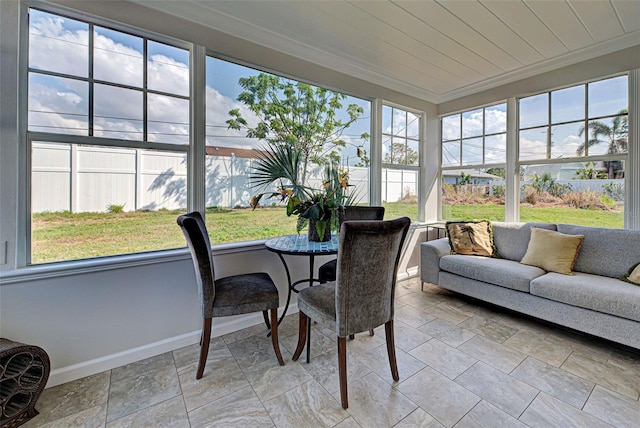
319	303
244	293
327	272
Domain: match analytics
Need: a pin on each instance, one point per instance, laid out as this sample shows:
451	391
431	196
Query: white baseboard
411	272
108	362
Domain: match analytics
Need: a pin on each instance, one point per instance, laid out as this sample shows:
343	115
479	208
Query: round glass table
299	245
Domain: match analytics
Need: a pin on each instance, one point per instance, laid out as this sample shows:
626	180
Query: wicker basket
24	371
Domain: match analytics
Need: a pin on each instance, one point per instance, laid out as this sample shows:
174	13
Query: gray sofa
593	300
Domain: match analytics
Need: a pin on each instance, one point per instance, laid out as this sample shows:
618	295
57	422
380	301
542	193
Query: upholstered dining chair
362	296
327	272
231	295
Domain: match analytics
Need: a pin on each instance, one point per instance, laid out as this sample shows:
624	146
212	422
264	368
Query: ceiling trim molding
610	46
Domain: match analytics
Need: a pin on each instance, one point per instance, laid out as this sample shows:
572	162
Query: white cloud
168	75
49	104
116	62
496	121
472	123
55	48
218	107
566	148
532	149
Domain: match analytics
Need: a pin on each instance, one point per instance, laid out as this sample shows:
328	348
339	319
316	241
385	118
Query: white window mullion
196	183
22	240
512	172
632	167
422	185
375	164
430	169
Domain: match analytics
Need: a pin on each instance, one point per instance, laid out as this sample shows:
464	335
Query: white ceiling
435	50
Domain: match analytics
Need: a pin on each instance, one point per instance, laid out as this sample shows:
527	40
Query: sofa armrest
430	254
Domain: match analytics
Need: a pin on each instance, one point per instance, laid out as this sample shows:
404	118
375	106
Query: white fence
76	178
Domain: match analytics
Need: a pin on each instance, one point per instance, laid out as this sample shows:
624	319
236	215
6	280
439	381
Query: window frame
380	136
484	136
513	162
196	163
550	124
26	138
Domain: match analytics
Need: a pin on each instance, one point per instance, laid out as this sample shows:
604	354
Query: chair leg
274	334
266	320
342	370
352	336
391	350
302	335
204	346
371	333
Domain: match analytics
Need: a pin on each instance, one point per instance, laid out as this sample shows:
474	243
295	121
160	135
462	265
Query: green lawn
592	217
66	236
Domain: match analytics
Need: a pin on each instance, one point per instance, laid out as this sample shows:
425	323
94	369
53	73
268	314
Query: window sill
79	267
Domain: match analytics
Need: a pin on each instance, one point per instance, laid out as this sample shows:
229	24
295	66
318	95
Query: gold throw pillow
474	238
552	251
633	276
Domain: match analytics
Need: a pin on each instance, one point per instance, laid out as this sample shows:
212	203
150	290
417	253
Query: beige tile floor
461	364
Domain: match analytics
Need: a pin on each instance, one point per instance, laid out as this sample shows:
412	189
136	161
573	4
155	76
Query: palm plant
280	162
321	206
615	135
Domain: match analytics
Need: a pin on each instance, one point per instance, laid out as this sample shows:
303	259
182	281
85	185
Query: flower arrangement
317	207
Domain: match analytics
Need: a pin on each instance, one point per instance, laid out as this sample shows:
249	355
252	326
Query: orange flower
285	193
343	178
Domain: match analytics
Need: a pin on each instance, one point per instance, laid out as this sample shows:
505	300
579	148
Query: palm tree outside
615	135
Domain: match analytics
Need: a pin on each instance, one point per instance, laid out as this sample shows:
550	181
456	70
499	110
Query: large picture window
400	161
108	132
573	144
110	145
305	115
474	147
584	120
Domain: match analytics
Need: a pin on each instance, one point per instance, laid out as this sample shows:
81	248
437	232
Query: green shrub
115	208
608	201
498	190
614	190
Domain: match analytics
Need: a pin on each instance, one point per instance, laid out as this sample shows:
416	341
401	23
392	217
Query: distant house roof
234	151
472	173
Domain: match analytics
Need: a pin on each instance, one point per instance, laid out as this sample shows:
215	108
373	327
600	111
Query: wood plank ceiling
434	49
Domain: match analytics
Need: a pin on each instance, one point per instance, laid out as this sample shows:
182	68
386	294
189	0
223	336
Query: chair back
195	231
366	273
358	212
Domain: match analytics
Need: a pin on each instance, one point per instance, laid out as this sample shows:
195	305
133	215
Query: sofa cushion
552	251
602	294
505	273
511	239
472	238
608	252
